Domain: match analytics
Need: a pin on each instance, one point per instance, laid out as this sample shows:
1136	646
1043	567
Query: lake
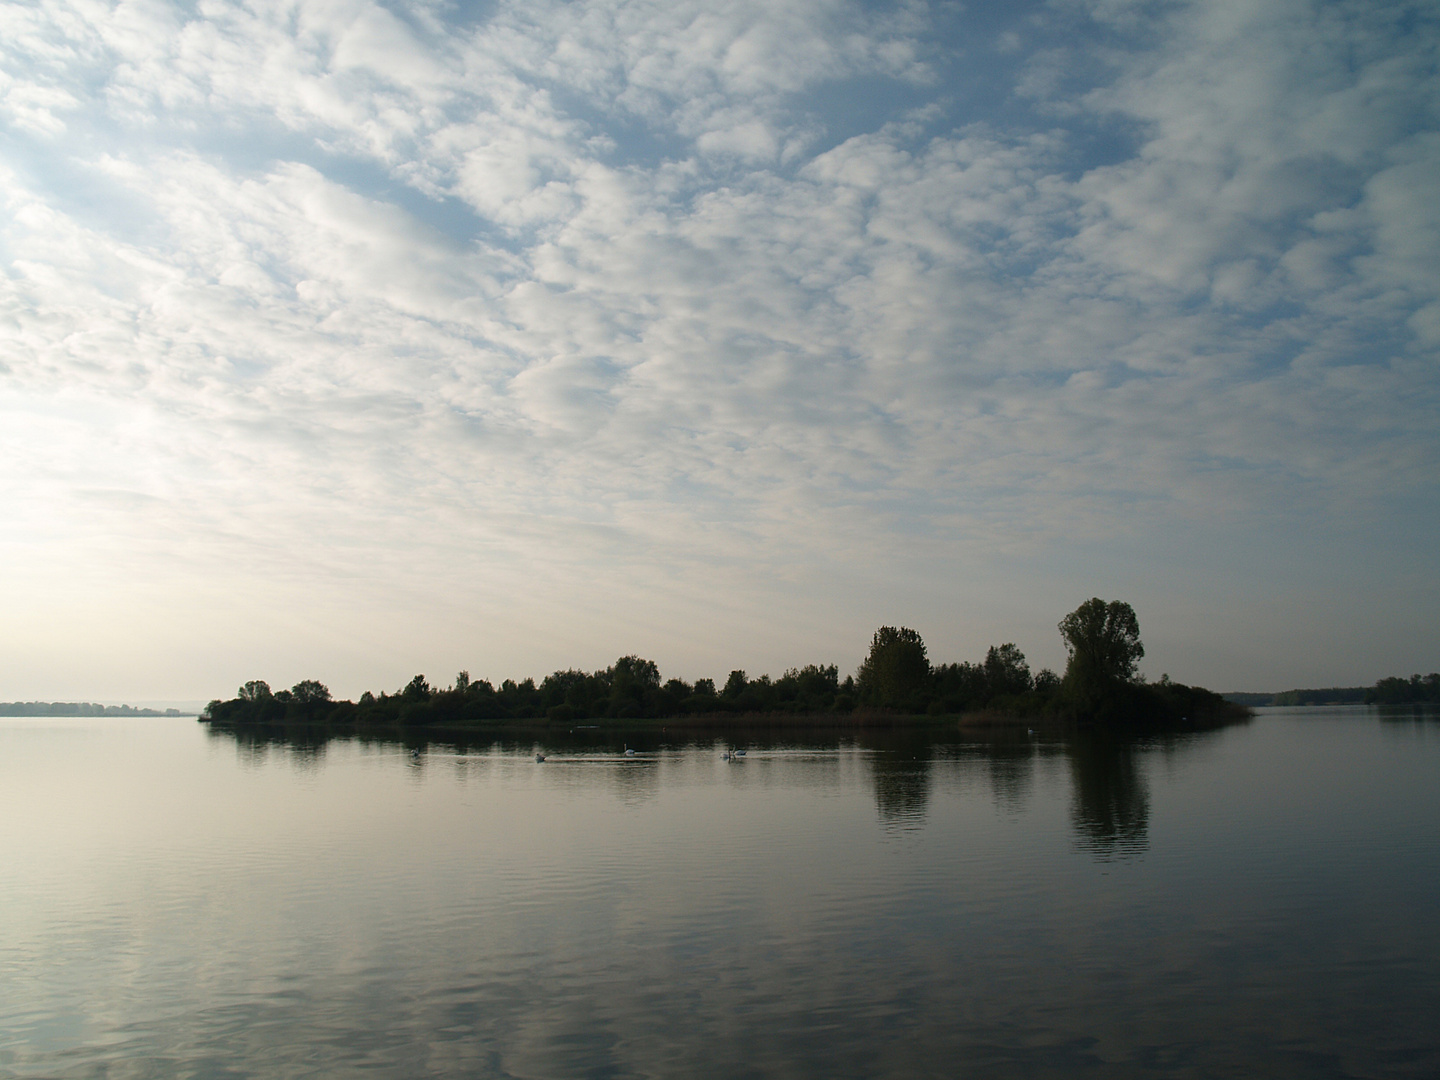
1260	900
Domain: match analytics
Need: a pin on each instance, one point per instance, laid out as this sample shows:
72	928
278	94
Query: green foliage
1250	700
896	676
310	692
734	686
1006	671
897	669
961	687
82	708
633	686
633	671
1103	642
1103	639
1398	691
254	690
1169	702
1394	690
812	688
1331	695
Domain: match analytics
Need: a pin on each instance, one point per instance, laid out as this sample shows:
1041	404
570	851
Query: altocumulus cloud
350	339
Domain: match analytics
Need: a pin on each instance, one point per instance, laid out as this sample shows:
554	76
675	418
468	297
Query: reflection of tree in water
901	770
637	780
303	749
1111	799
1011	768
1418	713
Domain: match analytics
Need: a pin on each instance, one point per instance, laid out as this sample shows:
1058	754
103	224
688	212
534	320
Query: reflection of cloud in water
1111	801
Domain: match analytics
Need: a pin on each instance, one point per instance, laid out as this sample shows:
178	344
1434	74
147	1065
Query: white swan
629	752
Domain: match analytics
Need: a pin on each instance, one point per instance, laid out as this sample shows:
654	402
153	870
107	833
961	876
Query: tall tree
1103	641
633	685
254	690
896	669
1006	671
310	691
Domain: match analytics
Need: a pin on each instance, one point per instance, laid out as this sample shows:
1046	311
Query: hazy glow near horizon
346	340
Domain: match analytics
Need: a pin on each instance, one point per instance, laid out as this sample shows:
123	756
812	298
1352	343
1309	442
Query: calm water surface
1263	900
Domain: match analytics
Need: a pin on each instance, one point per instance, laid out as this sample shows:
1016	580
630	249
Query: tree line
79	708
1100	683
1394	690
1397	691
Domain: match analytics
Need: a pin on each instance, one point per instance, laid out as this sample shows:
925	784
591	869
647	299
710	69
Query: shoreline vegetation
895	687
1416	690
81	708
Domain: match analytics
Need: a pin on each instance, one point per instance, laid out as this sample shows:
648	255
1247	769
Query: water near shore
1261	900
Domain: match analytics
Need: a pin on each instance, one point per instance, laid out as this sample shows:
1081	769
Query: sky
352	340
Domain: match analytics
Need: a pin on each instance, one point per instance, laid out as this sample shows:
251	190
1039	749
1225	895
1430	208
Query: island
896	685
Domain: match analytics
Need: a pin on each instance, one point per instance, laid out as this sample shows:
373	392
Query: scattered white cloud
570	328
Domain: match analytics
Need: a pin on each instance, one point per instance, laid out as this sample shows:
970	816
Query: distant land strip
1416	690
896	683
80	708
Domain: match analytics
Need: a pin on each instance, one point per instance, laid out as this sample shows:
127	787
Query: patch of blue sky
249	367
74	185
861	105
975	91
451	217
68	172
976	74
266	143
460	14
635	143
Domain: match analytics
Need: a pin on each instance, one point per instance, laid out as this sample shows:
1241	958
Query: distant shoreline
82	708
1416	690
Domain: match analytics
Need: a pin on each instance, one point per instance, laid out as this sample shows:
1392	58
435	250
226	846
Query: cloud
686	346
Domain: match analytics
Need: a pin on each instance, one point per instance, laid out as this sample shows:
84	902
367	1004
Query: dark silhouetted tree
1006	671
896	669
634	669
310	692
1398	691
735	685
1046	681
1103	641
254	690
634	686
